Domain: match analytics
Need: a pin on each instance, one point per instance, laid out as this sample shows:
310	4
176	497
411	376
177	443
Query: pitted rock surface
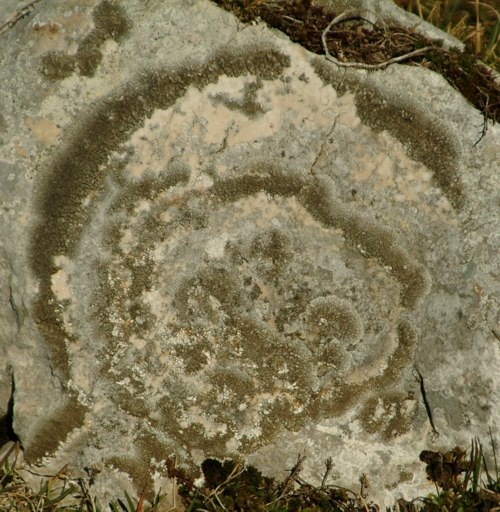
216	242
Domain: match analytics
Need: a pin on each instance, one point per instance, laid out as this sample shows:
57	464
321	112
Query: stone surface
214	241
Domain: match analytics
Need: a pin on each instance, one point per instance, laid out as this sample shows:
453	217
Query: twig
220	502
294	473
355	494
174	490
329	467
363	480
420	379
359	65
59	475
233	472
21	13
485	121
293	19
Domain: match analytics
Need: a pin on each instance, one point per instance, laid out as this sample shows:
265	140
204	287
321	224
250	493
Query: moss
192	298
335	401
234	380
401	358
281	413
426	138
369	237
274	244
194	355
139	464
110	17
297	298
58	65
132	403
75	171
149	186
264	177
281	366
333	356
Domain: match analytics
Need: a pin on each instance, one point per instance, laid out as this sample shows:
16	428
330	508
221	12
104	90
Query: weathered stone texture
213	241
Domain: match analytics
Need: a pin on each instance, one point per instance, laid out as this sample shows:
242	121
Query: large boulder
215	242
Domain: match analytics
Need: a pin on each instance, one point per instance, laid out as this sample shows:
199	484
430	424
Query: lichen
212	327
388	415
110	22
78	171
426	137
247	105
332	317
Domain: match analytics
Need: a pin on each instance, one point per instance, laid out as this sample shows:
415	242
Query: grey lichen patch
264	177
221	305
273	244
149	454
336	318
194	298
58	65
241	364
110	22
247	105
65	190
402	356
426	137
54	429
333	356
388	415
370	238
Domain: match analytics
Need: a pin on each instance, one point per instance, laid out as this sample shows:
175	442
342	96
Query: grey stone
213	241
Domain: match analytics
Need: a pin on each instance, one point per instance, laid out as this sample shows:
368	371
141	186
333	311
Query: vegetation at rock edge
463	482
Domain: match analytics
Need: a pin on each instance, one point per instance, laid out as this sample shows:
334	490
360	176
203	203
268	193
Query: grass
59	493
463	484
476	23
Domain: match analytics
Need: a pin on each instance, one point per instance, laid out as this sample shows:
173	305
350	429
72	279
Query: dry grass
476	23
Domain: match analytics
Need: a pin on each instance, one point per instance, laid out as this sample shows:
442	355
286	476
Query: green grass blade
494	456
476	458
130	502
493	38
45	490
63	495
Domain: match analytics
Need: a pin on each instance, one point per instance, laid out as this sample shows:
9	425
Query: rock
216	242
